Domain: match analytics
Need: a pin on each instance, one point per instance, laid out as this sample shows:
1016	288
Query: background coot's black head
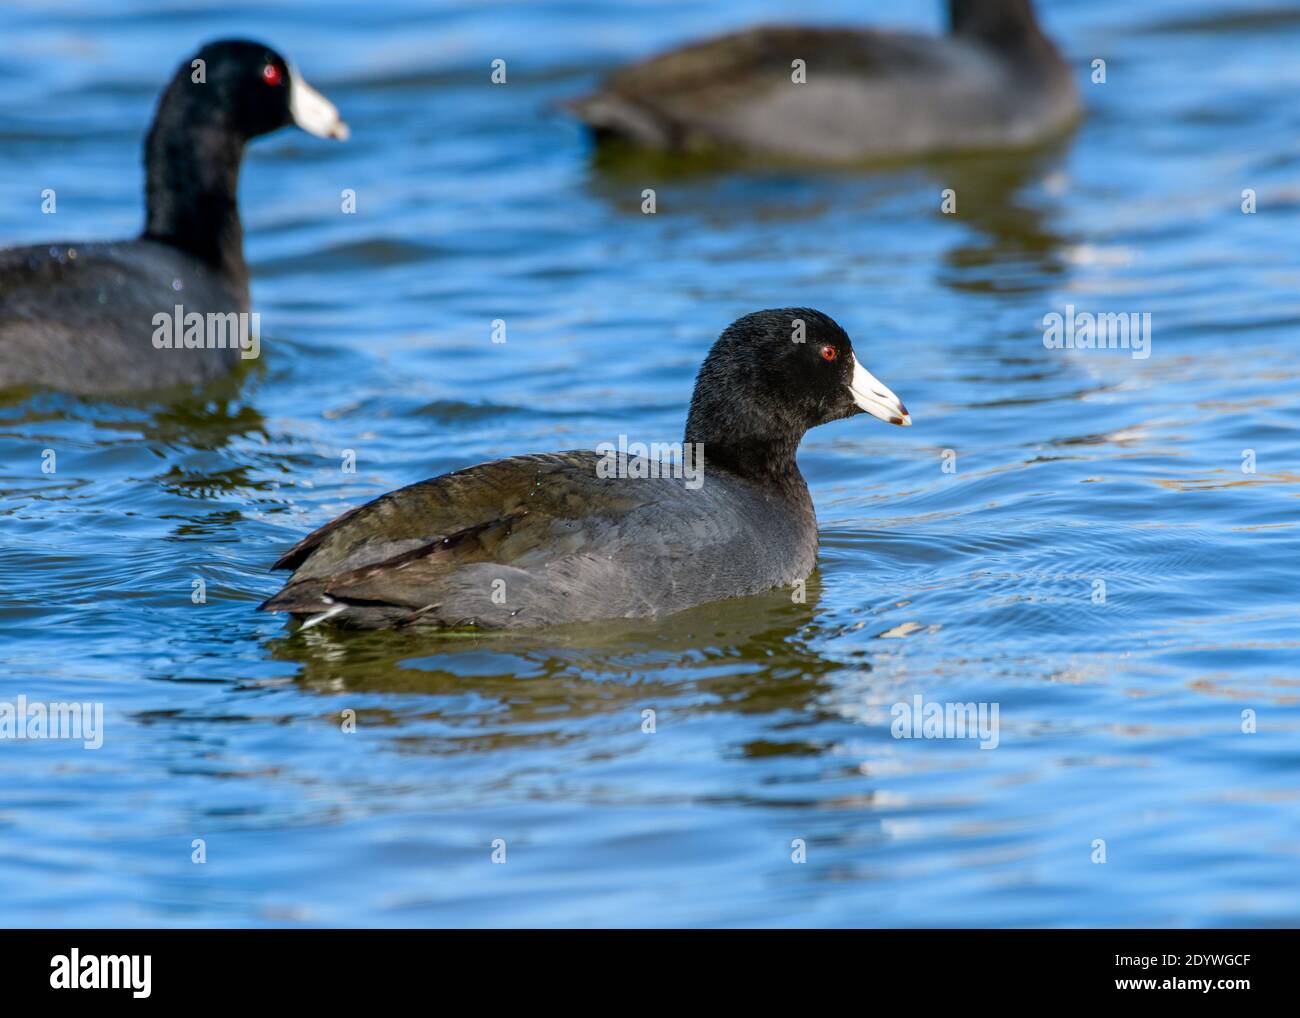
247	89
1001	22
227	93
782	372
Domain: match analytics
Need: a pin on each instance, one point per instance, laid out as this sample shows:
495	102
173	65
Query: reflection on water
745	656
1102	547
1014	204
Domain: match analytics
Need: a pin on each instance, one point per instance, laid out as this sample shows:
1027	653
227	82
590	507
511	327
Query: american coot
994	81
81	317
560	537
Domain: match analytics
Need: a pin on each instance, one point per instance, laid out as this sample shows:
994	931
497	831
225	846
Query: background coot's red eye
829	353
271	74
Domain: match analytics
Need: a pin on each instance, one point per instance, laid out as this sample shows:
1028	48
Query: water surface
1120	719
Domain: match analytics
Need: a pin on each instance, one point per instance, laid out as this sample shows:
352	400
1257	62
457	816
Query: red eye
271	74
829	353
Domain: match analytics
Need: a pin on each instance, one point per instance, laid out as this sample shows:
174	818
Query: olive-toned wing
407	550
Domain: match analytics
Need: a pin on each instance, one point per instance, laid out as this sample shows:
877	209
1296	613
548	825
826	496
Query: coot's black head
227	93
247	89
770	377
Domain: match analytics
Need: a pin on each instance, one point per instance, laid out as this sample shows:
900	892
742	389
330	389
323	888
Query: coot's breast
82	317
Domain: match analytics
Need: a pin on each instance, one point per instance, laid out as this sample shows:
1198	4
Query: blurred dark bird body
843	95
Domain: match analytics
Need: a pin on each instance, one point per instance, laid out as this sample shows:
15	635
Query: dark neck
738	442
995	22
191	187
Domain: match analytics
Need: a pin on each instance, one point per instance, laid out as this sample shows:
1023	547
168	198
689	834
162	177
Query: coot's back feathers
539	540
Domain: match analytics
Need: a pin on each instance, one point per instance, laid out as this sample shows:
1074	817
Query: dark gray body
80	317
868	95
566	545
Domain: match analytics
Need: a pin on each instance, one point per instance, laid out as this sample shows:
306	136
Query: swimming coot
574	536
80	317
847	95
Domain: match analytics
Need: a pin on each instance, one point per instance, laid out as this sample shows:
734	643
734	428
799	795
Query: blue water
1121	719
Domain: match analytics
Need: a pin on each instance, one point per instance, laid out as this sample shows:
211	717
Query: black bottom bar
1226	968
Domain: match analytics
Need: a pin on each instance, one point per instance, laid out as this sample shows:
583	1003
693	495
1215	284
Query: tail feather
306	597
308	601
608	112
317	619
